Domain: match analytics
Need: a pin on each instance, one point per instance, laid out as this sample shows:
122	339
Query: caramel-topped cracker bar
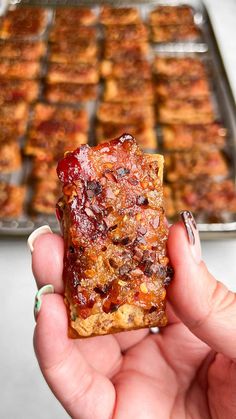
44	167
171	15
191	165
136	33
186	111
13	91
12	112
10	157
15	69
9	133
131	50
206	197
11	200
175	33
81	72
189	67
121	69
119	15
70	93
183	88
146	135
46	194
23	50
126	113
60	33
54	130
135	89
24	22
188	137
74	17
115	266
67	51
169	202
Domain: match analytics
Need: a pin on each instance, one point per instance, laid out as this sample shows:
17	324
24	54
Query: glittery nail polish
192	234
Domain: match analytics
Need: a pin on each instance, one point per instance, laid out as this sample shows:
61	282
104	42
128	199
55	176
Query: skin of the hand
188	370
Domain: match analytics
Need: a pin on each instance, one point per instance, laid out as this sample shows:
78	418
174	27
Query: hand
187	370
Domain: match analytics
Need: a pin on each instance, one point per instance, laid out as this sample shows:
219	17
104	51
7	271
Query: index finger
202	303
47	261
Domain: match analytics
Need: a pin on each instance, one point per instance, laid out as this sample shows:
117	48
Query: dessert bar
11	200
119	15
81	72
191	165
171	15
112	217
70	93
187	137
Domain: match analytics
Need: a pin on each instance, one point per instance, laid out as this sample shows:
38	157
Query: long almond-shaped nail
46	289
193	235
36	233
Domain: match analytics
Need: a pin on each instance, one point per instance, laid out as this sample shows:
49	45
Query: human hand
186	370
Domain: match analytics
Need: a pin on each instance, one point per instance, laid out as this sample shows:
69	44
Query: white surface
222	14
24	394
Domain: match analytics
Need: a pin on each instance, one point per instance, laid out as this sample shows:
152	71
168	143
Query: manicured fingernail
193	236
36	234
46	289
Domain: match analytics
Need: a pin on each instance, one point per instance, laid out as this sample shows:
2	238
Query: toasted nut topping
163	294
121	283
89	212
143	288
90	273
164	261
144	184
108	165
68	189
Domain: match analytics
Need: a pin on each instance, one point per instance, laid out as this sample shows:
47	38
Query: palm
168	375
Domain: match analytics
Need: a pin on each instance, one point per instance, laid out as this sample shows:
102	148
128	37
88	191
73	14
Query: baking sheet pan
205	45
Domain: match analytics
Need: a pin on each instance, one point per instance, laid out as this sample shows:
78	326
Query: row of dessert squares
121	86
196	167
190	176
165	23
55	130
24	79
129	104
210	201
127	82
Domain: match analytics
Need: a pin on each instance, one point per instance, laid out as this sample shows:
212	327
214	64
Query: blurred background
28	71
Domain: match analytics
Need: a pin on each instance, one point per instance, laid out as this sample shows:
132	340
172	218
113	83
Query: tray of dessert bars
74	72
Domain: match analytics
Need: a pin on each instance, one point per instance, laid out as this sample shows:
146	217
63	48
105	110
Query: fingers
47	261
205	305
83	392
103	353
50	338
128	339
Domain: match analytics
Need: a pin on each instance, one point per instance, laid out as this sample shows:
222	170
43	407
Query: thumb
203	304
82	390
